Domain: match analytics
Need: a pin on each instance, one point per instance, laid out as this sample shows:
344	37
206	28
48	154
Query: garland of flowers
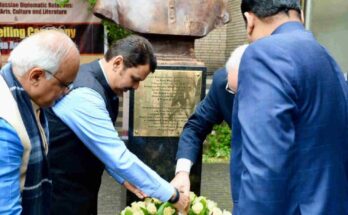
199	205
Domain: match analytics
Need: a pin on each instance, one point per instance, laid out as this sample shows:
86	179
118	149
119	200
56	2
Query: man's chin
119	93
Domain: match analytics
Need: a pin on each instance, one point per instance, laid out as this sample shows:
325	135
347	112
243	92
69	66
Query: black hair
267	8
135	50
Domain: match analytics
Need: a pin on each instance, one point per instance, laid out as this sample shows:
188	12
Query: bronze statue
170	25
166	17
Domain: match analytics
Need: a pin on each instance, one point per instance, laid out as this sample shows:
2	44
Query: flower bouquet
199	205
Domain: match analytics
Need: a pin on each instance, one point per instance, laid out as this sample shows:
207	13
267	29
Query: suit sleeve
266	114
11	151
200	124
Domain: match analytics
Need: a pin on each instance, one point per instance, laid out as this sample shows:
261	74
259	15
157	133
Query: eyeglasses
68	86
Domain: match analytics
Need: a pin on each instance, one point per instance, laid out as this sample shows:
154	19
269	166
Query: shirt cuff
183	165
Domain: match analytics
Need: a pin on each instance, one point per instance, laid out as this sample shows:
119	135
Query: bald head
45	49
232	67
45	64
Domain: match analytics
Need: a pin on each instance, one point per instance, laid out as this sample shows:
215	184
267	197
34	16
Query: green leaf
145	211
128	212
161	208
61	3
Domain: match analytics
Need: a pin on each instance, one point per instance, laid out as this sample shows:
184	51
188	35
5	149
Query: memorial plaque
158	110
164	102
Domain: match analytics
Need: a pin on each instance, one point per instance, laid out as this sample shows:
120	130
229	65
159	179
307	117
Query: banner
22	18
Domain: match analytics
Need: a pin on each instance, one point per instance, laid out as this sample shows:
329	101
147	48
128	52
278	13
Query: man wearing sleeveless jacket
84	141
39	71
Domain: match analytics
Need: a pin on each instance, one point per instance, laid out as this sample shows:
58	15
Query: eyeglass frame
68	86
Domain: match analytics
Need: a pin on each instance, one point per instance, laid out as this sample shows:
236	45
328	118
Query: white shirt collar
104	73
229	90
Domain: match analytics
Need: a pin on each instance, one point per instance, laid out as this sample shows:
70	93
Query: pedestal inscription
164	102
158	111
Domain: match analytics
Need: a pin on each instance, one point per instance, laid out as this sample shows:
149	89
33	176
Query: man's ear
302	17
117	62
250	18
34	76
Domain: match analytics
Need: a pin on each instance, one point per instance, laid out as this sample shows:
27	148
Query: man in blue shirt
84	141
213	109
39	71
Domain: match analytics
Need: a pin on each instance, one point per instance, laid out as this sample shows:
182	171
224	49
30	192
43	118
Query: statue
170	25
168	17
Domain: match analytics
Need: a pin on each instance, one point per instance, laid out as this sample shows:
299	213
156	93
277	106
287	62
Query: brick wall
215	48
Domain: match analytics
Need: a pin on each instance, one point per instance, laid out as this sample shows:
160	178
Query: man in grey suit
213	109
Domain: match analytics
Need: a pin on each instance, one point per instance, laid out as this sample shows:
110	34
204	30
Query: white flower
127	209
192	196
168	211
156	201
211	205
138	212
133	211
142	204
216	211
200	199
151	208
197	207
138	205
148	200
225	212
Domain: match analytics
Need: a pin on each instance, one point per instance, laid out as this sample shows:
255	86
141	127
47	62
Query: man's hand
140	194
182	182
182	205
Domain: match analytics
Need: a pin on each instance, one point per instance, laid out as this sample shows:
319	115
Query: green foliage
61	3
218	144
115	32
92	3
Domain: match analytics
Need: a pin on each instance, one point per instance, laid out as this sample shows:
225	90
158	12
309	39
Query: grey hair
234	60
45	49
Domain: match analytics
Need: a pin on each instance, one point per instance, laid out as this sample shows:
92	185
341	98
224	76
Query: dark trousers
75	195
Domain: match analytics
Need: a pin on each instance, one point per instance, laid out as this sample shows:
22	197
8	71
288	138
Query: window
328	21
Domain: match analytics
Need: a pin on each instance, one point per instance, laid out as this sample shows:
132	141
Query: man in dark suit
213	109
290	118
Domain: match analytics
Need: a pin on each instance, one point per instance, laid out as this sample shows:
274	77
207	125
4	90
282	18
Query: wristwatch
175	199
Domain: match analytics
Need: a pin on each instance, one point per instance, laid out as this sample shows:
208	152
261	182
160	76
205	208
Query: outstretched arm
84	111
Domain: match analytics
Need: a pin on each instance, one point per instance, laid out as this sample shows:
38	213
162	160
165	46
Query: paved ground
215	186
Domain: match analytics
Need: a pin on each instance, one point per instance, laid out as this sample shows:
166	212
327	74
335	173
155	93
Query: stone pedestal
158	112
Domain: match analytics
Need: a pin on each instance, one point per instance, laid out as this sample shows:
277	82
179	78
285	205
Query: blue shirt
84	111
11	151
